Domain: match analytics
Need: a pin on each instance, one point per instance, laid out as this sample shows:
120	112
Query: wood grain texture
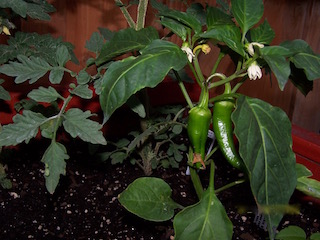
76	20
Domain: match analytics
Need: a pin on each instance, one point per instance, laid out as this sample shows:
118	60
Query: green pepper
223	130
198	126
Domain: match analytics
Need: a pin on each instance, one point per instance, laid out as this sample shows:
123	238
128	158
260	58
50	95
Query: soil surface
85	204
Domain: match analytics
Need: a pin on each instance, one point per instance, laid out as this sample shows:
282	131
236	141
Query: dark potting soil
85	204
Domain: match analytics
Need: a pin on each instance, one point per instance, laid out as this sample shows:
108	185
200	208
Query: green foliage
149	198
295	233
155	145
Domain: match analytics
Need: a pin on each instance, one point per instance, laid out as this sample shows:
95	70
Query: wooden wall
76	20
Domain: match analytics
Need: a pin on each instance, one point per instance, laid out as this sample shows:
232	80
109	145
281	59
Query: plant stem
229	185
220	57
183	89
126	14
211	179
196	182
141	14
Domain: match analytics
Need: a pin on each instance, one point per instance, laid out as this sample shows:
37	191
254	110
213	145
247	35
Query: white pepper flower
254	71
250	47
189	52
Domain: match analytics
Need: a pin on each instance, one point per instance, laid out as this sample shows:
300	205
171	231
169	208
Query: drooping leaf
77	124
124	78
247	13
310	63
44	94
300	80
55	165
26	69
23	128
126	40
149	198
263	33
229	34
205	220
176	27
265	145
136	106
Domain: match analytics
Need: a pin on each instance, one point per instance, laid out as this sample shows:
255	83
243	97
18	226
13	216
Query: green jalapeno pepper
223	130
198	126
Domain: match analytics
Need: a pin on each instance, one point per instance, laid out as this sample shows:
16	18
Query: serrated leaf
95	43
36	45
4	94
26	69
139	138
205	220
56	75
62	55
247	13
23	128
48	129
149	198
265	145
44	94
55	165
77	124
82	91
83	77
118	157
106	33
124	78
126	40
263	33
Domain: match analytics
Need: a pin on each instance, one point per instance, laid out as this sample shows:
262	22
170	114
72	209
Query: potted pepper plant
264	150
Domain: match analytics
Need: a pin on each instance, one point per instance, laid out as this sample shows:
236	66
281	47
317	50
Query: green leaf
149	198
126	40
176	27
23	128
56	75
83	77
204	220
229	34
275	51
300	80
77	124
54	159
95	43
315	236
182	17
291	233
36	45
118	157
26	69
49	128
44	94
82	91
302	171
62	55
4	94
265	145
310	63
280	67
106	33
217	17
263	33
309	186
247	13
135	104
297	46
124	78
